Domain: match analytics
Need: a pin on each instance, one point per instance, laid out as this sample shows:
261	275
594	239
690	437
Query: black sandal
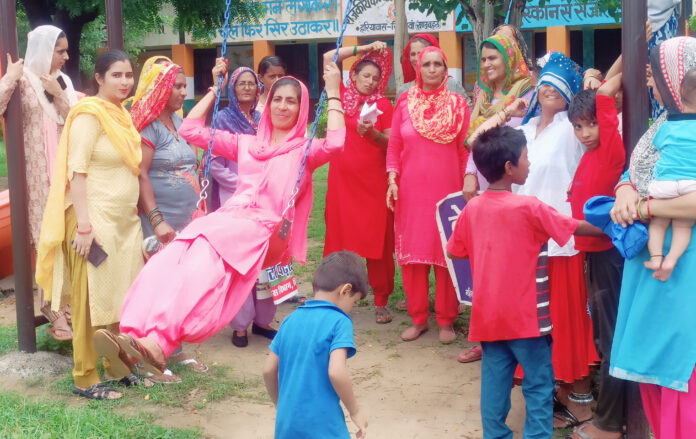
133	380
241	341
263	332
96	391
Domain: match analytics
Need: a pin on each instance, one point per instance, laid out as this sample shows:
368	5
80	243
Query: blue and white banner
555	13
448	210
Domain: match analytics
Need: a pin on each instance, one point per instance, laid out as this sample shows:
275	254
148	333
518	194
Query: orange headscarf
437	115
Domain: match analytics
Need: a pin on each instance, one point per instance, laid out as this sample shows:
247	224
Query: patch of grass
8	339
25	418
44	342
3	160
194	391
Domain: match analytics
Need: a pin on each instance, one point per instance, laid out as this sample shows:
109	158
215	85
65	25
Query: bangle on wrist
340	110
81	232
213	89
640	205
624	183
355	50
647	206
157	223
334	98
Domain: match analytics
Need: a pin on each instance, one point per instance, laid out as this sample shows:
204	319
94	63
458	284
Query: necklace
171	128
497	189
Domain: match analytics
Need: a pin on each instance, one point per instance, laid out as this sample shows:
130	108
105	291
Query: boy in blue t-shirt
306	372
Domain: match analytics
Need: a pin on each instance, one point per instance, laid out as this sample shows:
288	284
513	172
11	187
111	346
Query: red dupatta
437	115
352	98
406	67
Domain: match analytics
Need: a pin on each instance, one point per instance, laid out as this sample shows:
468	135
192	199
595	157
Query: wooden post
114	24
14	144
636	112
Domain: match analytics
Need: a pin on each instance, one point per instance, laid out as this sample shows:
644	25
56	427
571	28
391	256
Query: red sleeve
461	139
396	143
552	224
384	120
611	149
458	244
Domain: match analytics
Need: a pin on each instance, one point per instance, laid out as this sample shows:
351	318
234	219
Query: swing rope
208	155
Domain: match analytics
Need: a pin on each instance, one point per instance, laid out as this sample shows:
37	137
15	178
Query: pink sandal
470	355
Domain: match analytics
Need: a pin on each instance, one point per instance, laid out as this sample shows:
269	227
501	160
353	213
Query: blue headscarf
233	118
563	74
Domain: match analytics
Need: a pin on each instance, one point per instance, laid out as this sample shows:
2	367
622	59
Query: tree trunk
400	40
474	13
516	12
489	18
38	12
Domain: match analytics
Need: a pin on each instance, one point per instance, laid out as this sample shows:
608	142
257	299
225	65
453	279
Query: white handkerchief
369	112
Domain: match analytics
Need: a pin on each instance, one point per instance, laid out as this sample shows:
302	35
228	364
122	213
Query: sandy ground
409	390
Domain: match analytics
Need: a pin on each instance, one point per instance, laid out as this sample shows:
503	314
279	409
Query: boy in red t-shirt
502	234
594	118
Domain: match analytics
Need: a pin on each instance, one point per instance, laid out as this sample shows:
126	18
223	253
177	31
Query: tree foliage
83	21
486	15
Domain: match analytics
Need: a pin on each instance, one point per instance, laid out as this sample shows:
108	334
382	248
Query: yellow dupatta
117	124
517	81
145	80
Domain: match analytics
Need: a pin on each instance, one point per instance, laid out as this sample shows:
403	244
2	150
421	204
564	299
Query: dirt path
409	390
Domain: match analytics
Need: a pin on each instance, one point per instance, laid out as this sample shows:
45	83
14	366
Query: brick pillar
451	44
348	63
558	39
262	49
182	55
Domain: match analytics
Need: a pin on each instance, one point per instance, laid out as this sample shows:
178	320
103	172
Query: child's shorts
662	189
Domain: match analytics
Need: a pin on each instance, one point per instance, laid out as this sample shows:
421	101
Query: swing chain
208	154
319	111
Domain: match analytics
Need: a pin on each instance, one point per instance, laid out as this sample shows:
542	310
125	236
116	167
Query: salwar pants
671	414
185	293
85	356
416	285
259	311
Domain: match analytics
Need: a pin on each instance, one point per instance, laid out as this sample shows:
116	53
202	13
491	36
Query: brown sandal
135	349
382	315
107	345
59	328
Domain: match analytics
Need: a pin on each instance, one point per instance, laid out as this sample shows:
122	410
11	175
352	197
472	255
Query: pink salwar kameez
196	285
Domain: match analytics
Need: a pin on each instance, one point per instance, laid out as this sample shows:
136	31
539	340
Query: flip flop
106	344
98	391
167	377
196	365
579	431
137	350
470	355
566	416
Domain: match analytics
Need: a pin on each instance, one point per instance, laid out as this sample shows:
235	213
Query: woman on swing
211	267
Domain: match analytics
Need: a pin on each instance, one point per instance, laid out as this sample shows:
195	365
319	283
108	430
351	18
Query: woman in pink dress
209	270
426	160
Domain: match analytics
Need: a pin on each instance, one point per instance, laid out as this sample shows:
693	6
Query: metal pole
636	112
14	144
114	24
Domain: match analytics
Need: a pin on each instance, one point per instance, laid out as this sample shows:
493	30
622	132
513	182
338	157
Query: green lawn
3	160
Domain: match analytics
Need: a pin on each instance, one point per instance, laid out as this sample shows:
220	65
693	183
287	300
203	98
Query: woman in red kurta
426	160
356	217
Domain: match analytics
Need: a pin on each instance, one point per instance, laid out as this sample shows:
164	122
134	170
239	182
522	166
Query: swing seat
278	244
